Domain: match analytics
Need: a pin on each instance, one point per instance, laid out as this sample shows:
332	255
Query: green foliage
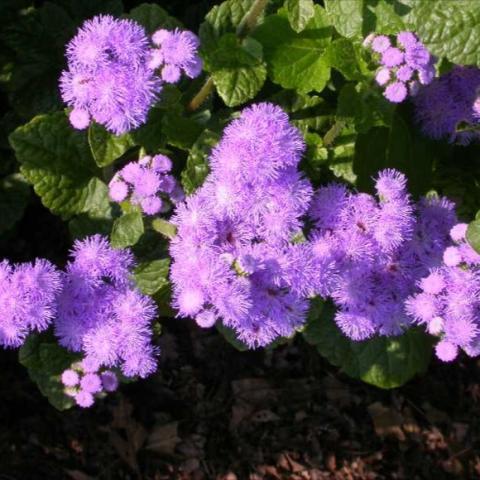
56	160
450	28
299	12
296	60
150	277
473	235
127	230
346	17
385	362
14	197
105	146
197	169
153	17
45	361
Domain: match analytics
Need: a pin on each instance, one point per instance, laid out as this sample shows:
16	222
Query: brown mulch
214	413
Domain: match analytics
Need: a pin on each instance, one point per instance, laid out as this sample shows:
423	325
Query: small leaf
127	230
167	229
231	337
197	167
14	197
150	277
299	12
386	362
57	161
152	17
46	361
346	16
296	60
180	131
105	146
473	235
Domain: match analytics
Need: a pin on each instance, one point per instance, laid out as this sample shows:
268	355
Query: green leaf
400	147
127	230
230	336
450	28
46	361
14	197
386	18
180	131
167	229
197	167
105	146
473	235
386	362
222	19
152	17
296	60
237	85
342	55
346	16
299	12
150	277
56	160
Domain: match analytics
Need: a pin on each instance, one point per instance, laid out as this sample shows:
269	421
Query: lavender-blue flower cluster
405	65
111	76
85	382
101	314
448	303
147	183
234	258
28	295
450	106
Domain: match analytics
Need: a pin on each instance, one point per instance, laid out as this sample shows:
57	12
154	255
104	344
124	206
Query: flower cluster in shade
449	107
447	302
28	293
234	257
112	75
405	64
147	183
85	382
380	248
101	314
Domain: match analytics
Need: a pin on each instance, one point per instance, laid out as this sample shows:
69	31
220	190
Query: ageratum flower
101	314
447	300
404	67
234	260
108	77
176	53
146	183
28	294
380	248
449	107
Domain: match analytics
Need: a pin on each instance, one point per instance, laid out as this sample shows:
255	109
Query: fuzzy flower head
446	108
452	290
102	315
28	296
108	78
147	183
176	53
404	63
379	247
234	260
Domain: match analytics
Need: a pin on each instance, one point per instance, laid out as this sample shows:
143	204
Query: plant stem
249	21
246	25
202	95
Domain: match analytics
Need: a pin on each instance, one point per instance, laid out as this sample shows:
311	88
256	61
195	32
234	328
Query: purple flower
146	183
101	314
109	381
396	92
28	295
403	67
108	77
447	104
177	52
91	383
236	233
70	378
84	399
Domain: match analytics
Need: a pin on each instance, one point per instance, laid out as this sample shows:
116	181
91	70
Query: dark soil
214	413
